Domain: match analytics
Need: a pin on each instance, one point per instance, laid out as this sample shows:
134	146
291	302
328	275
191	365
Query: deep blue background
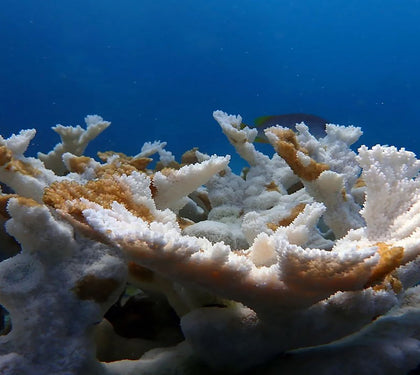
157	69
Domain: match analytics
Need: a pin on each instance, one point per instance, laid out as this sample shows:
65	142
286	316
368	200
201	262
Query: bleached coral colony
306	263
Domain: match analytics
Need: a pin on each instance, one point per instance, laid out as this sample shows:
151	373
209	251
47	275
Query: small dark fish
315	124
5	189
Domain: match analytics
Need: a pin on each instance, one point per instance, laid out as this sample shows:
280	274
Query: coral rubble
307	261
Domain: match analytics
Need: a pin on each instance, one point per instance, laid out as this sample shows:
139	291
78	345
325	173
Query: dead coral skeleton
299	255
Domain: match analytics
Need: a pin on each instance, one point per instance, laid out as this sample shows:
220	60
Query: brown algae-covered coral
126	266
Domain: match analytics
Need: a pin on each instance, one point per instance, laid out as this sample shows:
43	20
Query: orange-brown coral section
183	222
9	163
172	165
287	147
78	164
138	163
116	169
360	183
91	287
289	219
344	194
391	257
23	201
189	157
4	199
121	165
272	186
23	168
5	155
103	191
105	155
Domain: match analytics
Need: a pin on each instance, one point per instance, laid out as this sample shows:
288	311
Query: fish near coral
315	124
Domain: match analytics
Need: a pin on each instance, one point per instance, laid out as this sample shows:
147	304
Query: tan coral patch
288	147
321	275
140	163
168	167
79	164
9	163
105	155
23	201
288	219
183	222
92	287
272	186
5	155
344	194
103	191
189	157
167	172
15	165
28	202
390	280
23	168
390	259
114	169
125	162
360	182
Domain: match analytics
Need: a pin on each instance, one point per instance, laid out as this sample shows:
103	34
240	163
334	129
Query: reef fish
315	124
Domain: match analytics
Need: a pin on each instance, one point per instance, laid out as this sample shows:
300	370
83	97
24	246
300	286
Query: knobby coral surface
306	262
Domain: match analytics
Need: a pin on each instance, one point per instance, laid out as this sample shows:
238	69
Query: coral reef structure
307	262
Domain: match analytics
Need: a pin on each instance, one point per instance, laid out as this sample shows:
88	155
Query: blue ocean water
157	69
